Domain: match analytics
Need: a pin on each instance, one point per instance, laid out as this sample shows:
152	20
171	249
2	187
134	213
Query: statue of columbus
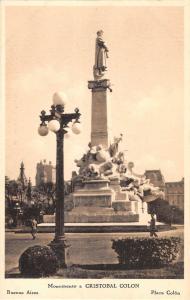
101	55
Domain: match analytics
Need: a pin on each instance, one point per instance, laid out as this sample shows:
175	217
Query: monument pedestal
94	193
96	203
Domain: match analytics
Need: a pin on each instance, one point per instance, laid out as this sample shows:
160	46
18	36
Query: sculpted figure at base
139	187
100	163
114	147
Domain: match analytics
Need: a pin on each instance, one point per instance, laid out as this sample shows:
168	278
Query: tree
44	195
165	212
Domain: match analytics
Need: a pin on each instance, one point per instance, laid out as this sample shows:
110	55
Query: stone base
96	202
106	215
123	205
49	218
95	193
121	211
101	227
96	199
59	247
87	215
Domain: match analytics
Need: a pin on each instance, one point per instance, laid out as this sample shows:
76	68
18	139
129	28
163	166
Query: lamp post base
59	245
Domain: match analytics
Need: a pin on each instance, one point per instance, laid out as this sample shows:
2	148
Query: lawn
91	256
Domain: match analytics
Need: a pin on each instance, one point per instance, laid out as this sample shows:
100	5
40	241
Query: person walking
10	222
153	227
33	228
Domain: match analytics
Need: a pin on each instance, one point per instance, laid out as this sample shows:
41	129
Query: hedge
147	252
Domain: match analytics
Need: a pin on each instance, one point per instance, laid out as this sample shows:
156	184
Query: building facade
45	173
175	193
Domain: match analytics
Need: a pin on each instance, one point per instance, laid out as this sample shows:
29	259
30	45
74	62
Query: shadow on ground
109	267
174	271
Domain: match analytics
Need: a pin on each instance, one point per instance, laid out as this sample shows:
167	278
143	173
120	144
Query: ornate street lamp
58	123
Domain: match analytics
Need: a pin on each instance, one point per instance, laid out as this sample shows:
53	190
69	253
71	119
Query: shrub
147	252
38	261
177	215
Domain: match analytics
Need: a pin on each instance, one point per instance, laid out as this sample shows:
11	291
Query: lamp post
58	123
172	215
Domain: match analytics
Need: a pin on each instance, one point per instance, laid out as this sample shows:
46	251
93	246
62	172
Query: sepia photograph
94	179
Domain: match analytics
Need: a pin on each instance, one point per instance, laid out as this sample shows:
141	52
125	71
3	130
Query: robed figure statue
101	54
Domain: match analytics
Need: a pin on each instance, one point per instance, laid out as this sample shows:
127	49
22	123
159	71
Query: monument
106	189
98	195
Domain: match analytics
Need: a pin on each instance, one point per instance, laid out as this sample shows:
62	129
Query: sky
51	48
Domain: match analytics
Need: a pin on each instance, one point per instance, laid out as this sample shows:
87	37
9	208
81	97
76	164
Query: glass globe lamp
59	99
43	130
54	125
76	128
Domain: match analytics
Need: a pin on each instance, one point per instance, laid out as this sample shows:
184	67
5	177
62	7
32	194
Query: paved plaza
85	249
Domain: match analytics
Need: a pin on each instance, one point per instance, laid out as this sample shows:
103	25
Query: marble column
100	111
